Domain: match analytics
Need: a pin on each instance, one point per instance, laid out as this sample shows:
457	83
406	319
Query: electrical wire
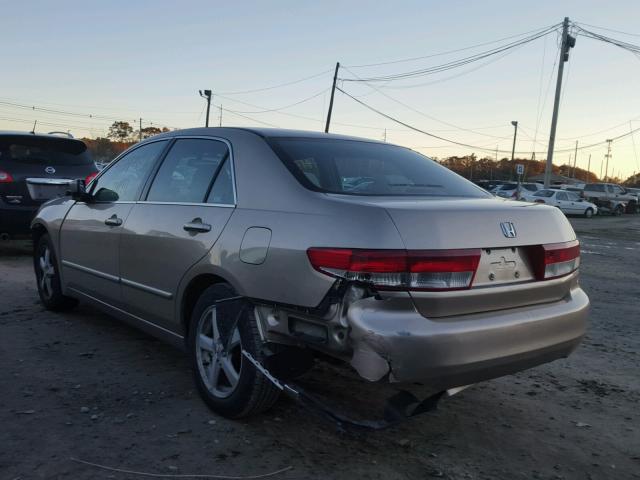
430	117
286	84
454	142
412	59
269	110
453	64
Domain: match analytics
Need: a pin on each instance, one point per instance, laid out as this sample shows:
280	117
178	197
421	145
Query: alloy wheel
219	365
47	272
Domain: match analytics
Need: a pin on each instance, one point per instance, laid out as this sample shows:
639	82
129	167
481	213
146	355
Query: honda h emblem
508	229
50	170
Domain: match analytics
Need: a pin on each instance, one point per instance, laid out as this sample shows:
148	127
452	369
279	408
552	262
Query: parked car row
579	199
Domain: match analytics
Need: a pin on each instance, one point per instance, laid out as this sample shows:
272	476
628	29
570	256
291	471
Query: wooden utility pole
140	131
575	160
333	91
607	156
586	180
567	42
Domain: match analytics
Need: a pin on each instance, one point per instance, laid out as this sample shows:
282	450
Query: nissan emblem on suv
50	170
508	229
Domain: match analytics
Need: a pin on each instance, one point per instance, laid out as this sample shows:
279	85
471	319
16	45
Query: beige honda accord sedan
364	251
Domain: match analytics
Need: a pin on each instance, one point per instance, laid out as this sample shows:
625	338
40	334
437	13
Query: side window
222	191
188	170
124	180
561	196
616	189
609	189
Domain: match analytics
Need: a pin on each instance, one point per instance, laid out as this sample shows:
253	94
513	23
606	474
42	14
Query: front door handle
197	226
113	221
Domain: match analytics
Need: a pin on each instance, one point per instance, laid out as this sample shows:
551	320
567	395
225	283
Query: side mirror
78	191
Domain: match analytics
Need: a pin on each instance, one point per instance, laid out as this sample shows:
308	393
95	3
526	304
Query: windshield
365	168
43	150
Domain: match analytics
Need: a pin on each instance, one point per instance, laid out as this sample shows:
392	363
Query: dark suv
41	158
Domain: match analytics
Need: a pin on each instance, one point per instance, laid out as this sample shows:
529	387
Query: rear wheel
48	277
619	210
588	212
226	380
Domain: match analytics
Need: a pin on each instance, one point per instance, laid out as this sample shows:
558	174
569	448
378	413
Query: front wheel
229	384
48	277
619	210
588	212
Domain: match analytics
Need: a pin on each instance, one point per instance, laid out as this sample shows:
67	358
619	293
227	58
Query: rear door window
188	171
561	196
123	181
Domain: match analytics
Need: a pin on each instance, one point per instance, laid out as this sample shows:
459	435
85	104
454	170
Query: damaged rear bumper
390	337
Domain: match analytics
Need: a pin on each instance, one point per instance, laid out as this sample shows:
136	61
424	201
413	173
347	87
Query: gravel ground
80	385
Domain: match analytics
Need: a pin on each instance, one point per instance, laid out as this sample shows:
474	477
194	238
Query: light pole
515	134
206	94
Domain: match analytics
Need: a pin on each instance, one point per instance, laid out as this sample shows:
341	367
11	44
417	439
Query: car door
90	234
185	208
562	202
575	205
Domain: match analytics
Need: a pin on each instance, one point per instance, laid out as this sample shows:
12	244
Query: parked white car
570	203
510	190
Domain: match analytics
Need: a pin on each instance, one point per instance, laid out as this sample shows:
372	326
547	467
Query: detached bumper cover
391	337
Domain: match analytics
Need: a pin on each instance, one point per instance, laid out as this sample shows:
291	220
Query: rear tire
619	210
228	383
588	212
48	277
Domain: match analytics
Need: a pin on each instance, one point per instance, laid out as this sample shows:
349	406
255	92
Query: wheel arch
192	291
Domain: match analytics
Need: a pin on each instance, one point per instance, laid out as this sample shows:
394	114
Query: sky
147	59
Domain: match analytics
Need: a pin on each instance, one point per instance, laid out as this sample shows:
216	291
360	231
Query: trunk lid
502	229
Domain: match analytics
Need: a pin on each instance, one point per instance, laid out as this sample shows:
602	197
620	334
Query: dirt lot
83	386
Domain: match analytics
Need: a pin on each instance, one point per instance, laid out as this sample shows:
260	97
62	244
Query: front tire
48	277
588	212
228	383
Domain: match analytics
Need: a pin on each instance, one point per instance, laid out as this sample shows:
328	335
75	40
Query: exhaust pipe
4	237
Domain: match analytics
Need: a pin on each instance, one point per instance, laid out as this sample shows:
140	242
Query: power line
286	84
450	51
455	63
269	110
608	29
426	115
454	142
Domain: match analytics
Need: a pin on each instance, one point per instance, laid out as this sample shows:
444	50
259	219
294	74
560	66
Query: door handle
197	226
113	221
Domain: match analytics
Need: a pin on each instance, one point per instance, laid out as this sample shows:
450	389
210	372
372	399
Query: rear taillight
5	177
430	270
90	177
555	259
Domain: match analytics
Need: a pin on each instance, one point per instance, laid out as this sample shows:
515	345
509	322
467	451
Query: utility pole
333	91
140	130
515	134
220	116
607	156
567	42
586	180
384	136
206	94
575	160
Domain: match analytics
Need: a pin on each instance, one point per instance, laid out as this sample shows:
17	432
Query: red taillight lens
555	260
399	269
90	177
5	177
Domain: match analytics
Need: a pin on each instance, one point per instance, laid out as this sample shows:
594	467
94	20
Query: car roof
16	133
265	133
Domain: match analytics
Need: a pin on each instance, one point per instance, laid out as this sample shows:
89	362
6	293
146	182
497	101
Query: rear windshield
39	150
544	193
354	167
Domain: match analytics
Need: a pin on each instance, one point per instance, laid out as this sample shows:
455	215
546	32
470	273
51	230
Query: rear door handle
113	221
197	226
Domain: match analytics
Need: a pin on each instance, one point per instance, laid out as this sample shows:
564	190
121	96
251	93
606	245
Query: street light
207	95
515	134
